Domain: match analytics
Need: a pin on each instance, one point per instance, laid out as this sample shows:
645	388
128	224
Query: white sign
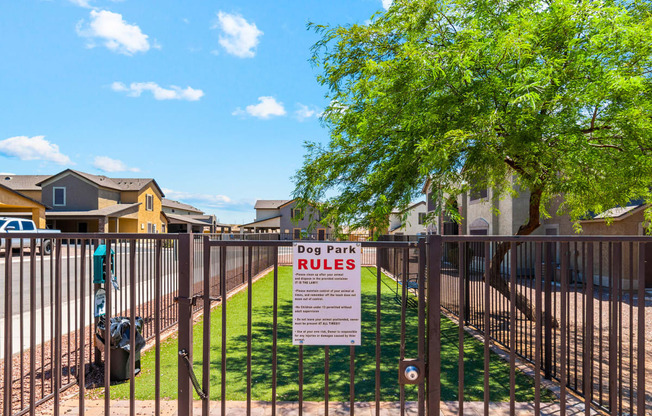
326	294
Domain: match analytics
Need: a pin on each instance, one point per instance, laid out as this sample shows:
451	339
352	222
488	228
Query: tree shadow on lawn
365	355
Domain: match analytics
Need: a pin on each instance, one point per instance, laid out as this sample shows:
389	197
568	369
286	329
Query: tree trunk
500	283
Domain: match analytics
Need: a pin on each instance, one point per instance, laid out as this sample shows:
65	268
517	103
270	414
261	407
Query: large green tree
554	95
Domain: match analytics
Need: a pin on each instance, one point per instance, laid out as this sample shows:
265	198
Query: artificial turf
313	357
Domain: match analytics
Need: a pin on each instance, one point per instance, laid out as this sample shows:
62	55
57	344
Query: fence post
186	277
434	324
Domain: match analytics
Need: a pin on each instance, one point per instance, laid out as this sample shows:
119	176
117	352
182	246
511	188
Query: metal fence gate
393	258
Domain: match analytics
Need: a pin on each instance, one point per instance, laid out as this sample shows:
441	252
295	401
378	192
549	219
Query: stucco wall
153	216
286	219
262	214
411	225
80	195
12	202
106	198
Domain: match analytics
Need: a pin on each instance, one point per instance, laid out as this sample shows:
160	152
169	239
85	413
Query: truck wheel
46	247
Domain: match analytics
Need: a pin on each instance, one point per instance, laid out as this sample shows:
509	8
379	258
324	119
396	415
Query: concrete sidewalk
260	408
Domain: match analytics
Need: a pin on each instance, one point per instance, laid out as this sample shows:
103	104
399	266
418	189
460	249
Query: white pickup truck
10	225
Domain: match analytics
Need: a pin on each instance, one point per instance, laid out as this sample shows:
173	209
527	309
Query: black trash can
119	346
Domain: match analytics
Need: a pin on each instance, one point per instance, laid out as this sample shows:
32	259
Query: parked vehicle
19	225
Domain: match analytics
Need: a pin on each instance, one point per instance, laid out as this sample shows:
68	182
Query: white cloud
386	4
305	112
135	89
197	197
33	148
117	35
82	3
266	108
106	164
238	37
7	173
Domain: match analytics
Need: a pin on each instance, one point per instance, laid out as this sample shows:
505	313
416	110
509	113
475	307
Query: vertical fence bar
223	350
434	324
640	379
613	329
300	380
422	317
548	317
107	327
378	316
21	331
56	358
487	326
7	377
157	327
185	264
512	328
461	310
206	353
132	326
326	374
352	380
589	326
562	359
403	279
538	329
81	360
249	311
32	326
274	329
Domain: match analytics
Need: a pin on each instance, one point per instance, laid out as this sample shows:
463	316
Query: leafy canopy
555	95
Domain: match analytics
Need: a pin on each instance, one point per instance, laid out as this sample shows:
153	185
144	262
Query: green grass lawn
287	358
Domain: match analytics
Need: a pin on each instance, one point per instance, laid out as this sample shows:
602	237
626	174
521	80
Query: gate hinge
195	383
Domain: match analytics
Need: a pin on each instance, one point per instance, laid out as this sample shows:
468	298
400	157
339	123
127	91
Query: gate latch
195	383
411	371
193	300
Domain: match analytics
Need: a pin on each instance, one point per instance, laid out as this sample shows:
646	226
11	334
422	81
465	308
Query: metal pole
185	321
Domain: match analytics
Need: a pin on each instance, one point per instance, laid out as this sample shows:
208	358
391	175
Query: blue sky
213	99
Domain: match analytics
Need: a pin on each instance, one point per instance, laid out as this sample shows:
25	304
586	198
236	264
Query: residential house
410	221
82	202
185	218
16	204
481	214
282	216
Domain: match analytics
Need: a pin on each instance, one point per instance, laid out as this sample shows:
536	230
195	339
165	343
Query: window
296	213
149	227
478	194
58	196
28	225
14	224
149	202
297	233
154	228
422	218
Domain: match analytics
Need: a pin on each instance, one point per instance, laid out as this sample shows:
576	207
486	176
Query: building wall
80	195
35	195
12	202
154	216
107	198
303	224
262	214
128	225
411	225
180	211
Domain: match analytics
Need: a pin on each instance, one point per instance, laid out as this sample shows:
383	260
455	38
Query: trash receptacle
119	346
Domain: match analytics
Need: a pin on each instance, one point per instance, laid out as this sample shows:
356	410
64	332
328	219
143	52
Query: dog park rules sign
326	294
